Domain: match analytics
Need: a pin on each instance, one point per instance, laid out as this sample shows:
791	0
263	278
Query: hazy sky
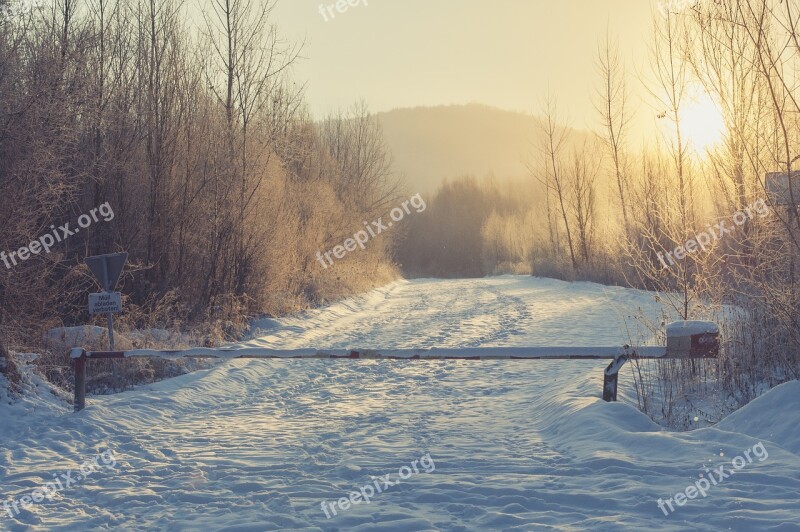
505	53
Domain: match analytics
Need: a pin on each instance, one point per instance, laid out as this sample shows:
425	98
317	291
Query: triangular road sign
106	268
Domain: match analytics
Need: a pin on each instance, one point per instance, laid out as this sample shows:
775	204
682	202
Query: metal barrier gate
685	339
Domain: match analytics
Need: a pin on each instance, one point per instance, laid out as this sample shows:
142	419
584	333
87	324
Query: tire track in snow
419	314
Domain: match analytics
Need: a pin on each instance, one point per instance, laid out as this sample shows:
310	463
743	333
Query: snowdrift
517	445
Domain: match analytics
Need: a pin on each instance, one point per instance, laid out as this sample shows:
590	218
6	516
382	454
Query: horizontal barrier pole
470	353
617	354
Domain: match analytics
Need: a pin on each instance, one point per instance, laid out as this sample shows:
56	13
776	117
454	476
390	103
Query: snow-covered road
517	445
499	311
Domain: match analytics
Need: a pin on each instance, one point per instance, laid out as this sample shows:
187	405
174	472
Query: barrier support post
80	382
611	376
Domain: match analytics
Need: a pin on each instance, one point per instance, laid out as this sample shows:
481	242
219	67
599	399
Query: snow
517	445
60	338
777	423
501	311
689	327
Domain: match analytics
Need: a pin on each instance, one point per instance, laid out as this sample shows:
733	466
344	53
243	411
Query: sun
701	121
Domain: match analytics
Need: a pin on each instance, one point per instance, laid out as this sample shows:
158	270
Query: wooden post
80	382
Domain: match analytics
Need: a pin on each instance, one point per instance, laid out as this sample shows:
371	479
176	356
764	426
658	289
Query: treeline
222	187
471	228
607	209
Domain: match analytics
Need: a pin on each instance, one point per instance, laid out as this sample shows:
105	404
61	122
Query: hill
431	144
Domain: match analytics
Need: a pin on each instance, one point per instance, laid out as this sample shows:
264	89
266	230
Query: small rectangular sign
105	302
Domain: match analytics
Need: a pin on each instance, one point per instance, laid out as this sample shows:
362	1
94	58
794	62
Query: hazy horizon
509	54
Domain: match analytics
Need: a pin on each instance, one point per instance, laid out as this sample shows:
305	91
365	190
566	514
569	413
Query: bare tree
355	141
555	180
250	62
584	170
612	105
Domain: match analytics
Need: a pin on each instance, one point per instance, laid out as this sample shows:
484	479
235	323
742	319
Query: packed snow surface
496	445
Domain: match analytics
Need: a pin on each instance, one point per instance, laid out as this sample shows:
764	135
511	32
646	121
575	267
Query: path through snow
517	445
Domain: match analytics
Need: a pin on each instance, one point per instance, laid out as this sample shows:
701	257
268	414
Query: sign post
106	269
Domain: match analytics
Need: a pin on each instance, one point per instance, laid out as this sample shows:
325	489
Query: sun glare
702	122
